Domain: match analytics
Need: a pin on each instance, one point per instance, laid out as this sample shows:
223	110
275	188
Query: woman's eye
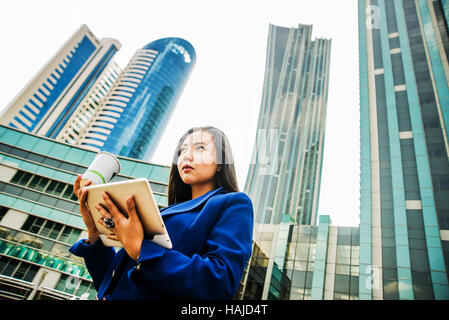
182	150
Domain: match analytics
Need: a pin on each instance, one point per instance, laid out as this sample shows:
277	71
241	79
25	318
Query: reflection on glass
43	258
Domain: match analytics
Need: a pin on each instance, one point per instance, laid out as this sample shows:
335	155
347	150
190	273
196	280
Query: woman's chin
188	180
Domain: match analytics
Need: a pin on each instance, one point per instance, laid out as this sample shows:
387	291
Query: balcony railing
16	289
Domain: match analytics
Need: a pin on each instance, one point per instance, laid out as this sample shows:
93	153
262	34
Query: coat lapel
107	278
188	205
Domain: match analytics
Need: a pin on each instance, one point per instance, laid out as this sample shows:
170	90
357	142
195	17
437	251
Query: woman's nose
188	154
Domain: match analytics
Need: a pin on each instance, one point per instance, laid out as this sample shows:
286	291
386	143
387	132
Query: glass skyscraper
67	89
303	262
284	175
401	248
135	112
40	217
82	97
404	121
285	170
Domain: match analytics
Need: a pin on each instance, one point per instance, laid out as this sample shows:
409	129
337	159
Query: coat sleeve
216	274
97	258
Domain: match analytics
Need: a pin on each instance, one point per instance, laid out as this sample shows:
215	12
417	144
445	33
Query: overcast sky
225	87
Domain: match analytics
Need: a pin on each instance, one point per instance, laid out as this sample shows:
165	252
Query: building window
17	269
3	211
12	150
35	182
51	229
21	178
33	224
56	188
38	183
75	286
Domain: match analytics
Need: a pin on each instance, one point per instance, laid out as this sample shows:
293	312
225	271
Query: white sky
225	87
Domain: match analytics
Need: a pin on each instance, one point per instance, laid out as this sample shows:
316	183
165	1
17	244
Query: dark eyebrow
196	143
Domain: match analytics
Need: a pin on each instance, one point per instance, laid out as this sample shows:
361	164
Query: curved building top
176	45
135	114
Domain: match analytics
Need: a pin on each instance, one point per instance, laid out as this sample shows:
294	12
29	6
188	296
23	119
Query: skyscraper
67	85
401	249
133	115
82	97
284	175
285	171
40	217
304	262
404	121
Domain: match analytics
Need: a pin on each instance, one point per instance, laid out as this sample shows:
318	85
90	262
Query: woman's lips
187	168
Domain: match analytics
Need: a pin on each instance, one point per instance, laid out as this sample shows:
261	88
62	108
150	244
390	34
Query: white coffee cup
104	167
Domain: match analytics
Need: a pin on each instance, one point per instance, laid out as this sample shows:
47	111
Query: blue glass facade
401	249
76	99
138	109
304	262
82	97
284	174
39	214
404	163
285	169
55	85
46	105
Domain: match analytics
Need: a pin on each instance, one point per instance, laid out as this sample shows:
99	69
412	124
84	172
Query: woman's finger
131	206
113	210
103	211
83	198
112	236
88	183
80	190
76	185
101	221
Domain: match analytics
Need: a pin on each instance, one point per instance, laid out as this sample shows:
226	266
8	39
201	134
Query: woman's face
197	158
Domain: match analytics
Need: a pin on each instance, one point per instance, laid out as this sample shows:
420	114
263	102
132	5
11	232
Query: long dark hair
178	191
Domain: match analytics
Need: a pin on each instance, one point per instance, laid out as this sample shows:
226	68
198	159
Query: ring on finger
109	222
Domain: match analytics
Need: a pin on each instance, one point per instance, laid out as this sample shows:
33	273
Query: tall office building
303	262
285	170
82	97
284	175
404	121
136	110
40	218
401	249
69	86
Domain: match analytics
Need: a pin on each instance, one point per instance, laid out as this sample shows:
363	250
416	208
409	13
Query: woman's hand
128	231
92	231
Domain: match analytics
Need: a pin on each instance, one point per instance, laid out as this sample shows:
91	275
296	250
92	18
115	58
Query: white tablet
146	208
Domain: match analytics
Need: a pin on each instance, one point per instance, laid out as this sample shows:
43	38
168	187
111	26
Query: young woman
209	222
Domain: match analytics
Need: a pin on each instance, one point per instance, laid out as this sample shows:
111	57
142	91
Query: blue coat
211	237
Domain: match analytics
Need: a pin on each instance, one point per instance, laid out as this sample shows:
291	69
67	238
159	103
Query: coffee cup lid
116	159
